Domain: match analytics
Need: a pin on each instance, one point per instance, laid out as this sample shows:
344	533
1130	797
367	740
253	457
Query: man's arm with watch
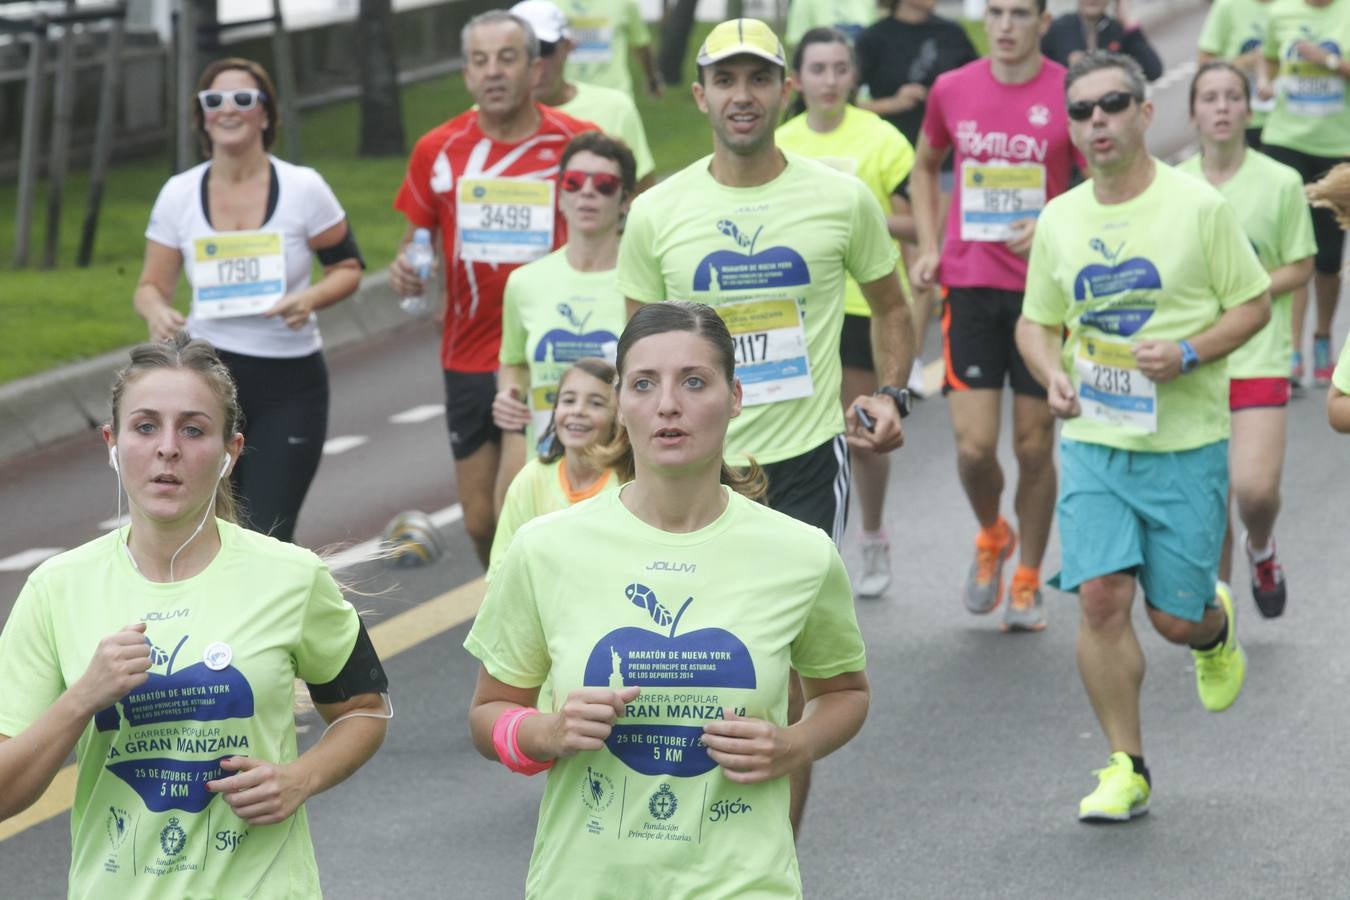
1161	361
892	356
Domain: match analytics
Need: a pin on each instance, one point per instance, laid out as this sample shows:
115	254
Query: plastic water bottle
420	256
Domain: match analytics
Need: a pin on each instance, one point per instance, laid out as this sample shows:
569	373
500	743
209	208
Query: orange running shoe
984	584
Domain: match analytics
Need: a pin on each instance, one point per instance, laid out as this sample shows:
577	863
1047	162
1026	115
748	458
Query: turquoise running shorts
1160	516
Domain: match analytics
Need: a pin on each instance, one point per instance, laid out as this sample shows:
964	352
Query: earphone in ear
112	460
225	466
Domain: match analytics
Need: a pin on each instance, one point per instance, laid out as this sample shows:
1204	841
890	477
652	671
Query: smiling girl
568	470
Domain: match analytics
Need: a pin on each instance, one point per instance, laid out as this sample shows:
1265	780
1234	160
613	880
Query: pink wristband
505	740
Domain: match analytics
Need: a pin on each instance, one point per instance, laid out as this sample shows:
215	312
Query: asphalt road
964	782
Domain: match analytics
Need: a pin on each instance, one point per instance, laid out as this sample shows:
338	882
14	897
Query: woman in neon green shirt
826	126
182	723
567	305
1269	201
668	617
567	469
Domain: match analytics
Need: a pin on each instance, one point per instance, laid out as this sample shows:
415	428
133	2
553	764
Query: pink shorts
1256	393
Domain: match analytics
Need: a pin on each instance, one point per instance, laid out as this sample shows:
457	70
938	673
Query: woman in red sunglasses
566	306
245	228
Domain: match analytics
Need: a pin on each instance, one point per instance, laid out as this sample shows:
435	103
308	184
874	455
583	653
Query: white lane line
334	446
20	562
366	550
418	414
110	524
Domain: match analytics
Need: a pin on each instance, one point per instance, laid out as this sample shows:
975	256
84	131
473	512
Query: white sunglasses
242	99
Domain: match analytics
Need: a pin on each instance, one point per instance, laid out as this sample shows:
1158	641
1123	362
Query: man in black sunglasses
1149	274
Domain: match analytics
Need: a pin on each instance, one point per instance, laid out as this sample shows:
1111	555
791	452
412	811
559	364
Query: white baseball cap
548	21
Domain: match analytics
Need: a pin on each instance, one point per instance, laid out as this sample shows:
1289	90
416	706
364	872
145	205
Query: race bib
541	409
1111	388
504	220
770	344
240	273
592	40
1313	92
995	195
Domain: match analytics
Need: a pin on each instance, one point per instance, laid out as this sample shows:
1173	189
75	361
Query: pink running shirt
1013	154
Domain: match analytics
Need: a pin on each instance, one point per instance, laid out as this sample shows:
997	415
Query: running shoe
1024	611
1322	363
876	576
1219	673
1268	588
984	584
1121	794
1296	370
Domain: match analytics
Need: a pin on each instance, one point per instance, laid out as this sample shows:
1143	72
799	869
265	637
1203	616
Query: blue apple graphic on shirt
196	693
560	345
708	658
1097	280
744	269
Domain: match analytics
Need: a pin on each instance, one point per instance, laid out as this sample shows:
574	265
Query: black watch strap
899	395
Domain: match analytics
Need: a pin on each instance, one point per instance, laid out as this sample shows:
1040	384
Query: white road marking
366	550
334	446
111	523
20	562
418	414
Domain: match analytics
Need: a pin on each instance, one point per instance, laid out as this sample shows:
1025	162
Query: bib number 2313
1111	388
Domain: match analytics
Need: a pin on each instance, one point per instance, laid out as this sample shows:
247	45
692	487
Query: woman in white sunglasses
244	227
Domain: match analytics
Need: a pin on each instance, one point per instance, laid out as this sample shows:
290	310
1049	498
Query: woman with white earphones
195	697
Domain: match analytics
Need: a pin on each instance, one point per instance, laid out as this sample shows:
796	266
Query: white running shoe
876	576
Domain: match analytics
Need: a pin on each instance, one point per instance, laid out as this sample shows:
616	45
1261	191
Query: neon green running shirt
864	145
772	260
1310	112
1234	28
616	114
603	33
1268	198
1161	266
553	315
227	646
702	621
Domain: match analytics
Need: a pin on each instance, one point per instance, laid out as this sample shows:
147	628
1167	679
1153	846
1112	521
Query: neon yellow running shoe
1219	673
1121	794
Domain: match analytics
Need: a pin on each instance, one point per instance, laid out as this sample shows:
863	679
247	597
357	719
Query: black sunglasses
548	48
1110	102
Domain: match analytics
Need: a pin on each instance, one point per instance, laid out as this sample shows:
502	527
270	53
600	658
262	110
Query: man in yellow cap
766	238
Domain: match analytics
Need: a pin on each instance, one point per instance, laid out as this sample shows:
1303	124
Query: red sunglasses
573	180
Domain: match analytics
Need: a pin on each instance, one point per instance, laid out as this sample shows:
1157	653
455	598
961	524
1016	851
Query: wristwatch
899	395
1189	358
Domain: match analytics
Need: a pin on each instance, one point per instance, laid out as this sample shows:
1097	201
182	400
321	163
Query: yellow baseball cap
742	36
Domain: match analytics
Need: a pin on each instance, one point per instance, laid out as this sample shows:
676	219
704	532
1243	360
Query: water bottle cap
422	236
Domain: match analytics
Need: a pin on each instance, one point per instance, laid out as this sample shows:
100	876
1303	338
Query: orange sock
997	533
1027	575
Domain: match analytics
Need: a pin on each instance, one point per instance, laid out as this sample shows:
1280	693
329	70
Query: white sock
872	537
1259	556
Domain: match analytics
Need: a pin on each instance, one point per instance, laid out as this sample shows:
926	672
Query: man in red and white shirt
486	181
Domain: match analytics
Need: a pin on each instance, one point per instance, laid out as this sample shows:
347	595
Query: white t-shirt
305	206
